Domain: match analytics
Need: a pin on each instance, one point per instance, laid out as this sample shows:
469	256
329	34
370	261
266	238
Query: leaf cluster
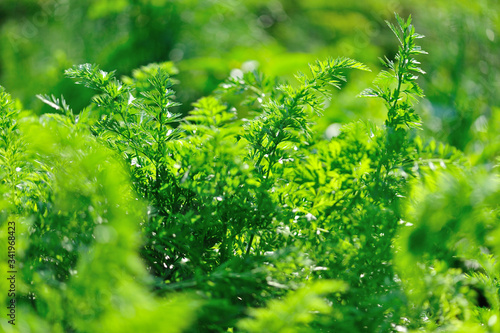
130	214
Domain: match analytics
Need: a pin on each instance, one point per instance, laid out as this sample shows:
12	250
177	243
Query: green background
209	39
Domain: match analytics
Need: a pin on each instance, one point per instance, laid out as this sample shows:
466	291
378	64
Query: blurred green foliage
209	39
270	205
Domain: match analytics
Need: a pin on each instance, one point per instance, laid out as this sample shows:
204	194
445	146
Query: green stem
249	246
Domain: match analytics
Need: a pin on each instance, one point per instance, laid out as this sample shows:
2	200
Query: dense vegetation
244	214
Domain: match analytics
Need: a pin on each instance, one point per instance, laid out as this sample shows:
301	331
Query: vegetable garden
249	209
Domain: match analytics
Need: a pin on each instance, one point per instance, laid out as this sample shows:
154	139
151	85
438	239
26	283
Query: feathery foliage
133	218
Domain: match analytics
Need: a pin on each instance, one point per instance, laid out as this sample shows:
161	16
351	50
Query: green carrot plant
132	217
